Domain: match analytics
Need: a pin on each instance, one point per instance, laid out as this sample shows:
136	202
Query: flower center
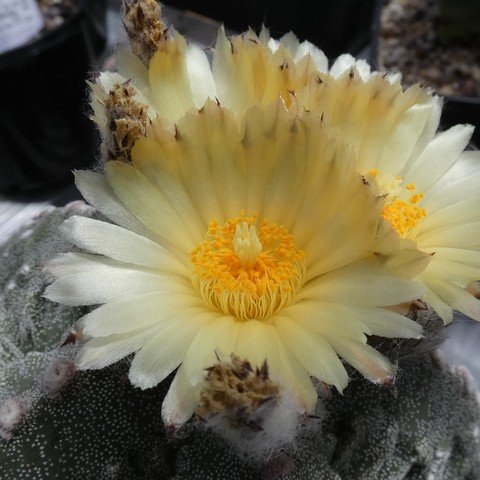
404	215
247	269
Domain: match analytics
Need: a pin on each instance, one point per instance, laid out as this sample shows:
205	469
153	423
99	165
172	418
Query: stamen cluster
236	282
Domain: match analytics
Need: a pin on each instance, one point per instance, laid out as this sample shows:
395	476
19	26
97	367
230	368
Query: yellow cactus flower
253	238
430	186
265	207
171	77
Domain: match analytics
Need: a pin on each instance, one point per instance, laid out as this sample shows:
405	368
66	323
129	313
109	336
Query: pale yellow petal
133	69
296	376
458	191
346	62
454	295
169	80
388	324
200	75
211	160
459	255
328	318
438	156
150	158
120	244
215	340
459	272
81	280
266	133
181	401
235	87
428	132
364	283
401	142
459	236
365	359
101	352
318	57
137	312
443	310
313	352
165	351
151	207
259	341
98	193
245	72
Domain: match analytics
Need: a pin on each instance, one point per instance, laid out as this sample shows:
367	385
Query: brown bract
145	29
128	119
236	389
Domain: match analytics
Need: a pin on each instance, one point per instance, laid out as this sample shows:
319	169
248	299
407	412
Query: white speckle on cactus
12	414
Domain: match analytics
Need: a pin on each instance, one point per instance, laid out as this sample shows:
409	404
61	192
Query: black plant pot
44	128
462	110
456	110
336	27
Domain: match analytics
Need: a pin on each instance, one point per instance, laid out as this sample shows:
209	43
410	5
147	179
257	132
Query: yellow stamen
404	215
246	270
417	197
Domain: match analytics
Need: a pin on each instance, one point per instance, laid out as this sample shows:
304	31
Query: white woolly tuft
281	424
58	374
12	413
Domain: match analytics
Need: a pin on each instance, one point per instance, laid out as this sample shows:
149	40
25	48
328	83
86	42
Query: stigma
246	244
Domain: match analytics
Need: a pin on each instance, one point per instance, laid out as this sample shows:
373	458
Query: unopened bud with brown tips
128	119
144	26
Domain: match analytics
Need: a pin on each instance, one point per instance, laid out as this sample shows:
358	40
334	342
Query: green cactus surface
28	322
56	423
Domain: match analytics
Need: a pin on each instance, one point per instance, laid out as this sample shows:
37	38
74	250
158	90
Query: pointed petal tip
47	293
142	382
173	418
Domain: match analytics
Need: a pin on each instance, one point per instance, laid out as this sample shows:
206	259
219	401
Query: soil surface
410	42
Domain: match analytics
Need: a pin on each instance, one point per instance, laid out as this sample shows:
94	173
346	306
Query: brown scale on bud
128	119
145	28
239	393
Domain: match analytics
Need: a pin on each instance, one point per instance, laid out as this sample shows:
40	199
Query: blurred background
48	48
